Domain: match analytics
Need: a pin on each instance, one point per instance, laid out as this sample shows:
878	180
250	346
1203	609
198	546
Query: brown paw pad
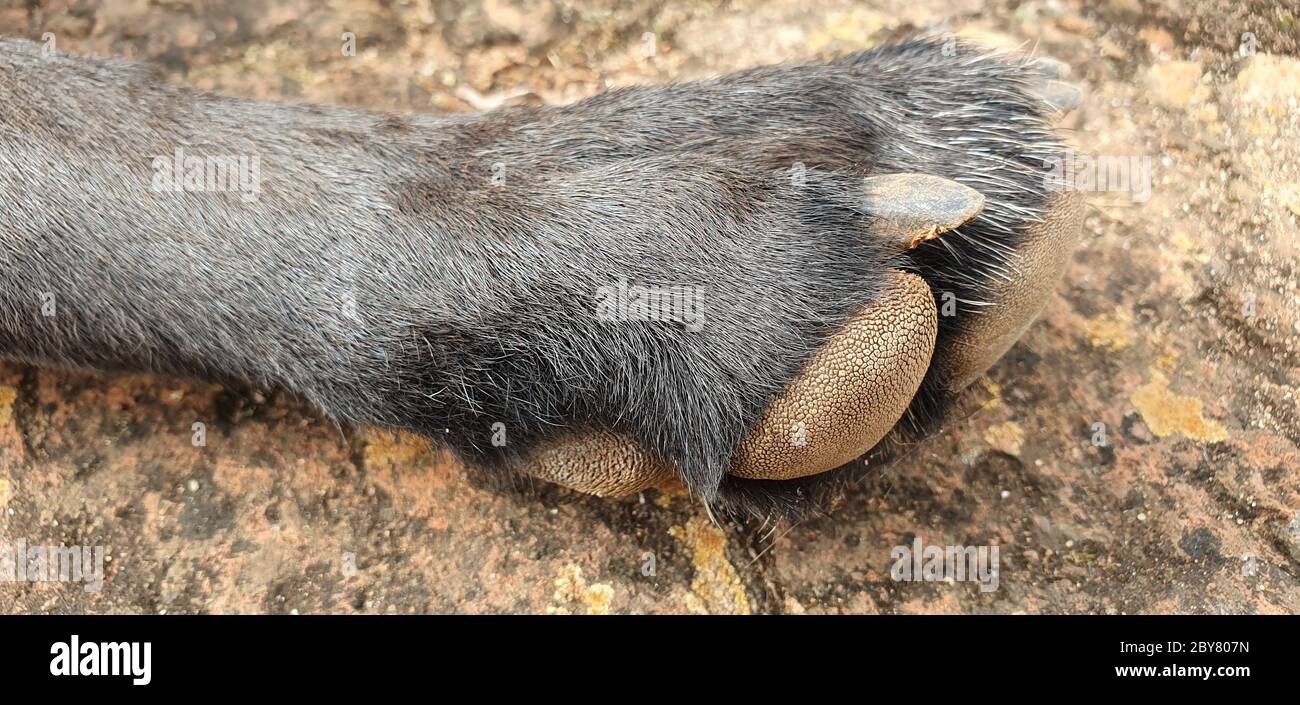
847	398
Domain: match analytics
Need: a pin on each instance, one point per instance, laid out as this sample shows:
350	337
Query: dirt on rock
1137	451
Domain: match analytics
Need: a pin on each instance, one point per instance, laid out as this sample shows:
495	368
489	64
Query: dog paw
917	238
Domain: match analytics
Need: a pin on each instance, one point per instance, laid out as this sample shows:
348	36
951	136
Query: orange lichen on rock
1167	413
716	585
7	397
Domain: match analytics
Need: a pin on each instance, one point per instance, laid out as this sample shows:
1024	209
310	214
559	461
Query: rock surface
1137	451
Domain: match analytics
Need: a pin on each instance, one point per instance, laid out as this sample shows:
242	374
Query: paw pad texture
849	395
853	390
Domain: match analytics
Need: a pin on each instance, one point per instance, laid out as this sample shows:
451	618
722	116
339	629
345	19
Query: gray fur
440	272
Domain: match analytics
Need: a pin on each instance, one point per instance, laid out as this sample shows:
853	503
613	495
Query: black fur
440	272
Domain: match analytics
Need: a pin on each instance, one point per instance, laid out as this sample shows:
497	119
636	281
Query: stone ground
1176	330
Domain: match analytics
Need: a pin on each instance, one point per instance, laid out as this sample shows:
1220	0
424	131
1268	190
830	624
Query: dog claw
1061	96
912	208
1054	68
